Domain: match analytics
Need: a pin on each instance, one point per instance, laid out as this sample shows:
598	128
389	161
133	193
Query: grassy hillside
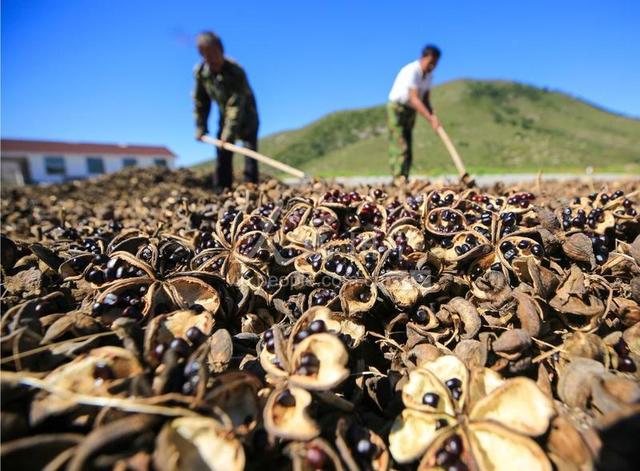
497	126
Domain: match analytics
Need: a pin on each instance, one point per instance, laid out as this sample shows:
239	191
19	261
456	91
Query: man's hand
200	135
435	122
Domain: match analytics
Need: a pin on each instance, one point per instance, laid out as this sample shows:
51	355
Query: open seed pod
75	267
128	241
465	246
236	394
96	373
405	233
498	422
335	322
515	247
358	296
197	443
285	414
116	268
319	362
442	197
579	302
372	215
163	328
361	448
444	222
296	216
519	203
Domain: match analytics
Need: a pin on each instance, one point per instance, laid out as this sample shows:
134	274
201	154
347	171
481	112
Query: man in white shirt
410	94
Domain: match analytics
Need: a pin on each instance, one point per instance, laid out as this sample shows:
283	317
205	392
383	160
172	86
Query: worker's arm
202	107
421	108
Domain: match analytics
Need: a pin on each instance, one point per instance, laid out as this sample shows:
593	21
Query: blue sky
121	71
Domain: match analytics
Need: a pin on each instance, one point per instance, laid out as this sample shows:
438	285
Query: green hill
497	126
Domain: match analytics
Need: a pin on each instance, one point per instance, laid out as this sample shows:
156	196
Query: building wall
76	164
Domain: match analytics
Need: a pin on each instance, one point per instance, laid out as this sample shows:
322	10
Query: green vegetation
497	126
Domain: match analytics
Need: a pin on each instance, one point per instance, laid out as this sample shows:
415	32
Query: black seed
453	445
102	370
443	458
431	399
366	448
440	423
111	299
180	346
317	326
195	335
453	383
309	359
626	365
286	399
537	250
506	245
300	336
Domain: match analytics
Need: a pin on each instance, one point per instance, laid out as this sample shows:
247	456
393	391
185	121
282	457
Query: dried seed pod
220	351
360	447
512	341
93	373
472	352
578	247
285	414
467	313
198	443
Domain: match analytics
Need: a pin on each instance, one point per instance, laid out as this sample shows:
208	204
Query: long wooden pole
452	151
254	155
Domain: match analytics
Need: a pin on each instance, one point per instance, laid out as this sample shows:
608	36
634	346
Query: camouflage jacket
236	103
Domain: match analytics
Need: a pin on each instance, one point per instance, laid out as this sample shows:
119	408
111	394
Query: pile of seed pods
149	323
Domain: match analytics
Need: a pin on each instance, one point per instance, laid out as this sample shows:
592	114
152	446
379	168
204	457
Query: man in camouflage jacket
220	79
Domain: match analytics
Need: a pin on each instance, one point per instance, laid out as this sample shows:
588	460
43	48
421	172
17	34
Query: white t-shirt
410	76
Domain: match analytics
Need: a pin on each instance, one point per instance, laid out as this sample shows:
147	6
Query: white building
26	161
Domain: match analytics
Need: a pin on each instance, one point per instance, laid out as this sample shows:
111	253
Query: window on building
160	162
54	165
95	165
129	162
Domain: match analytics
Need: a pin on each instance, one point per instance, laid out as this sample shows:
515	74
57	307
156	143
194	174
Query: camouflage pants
400	121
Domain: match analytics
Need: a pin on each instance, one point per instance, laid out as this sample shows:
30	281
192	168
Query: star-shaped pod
474	420
240	244
146	293
310	360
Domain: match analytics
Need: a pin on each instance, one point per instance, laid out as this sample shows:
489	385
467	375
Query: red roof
19	145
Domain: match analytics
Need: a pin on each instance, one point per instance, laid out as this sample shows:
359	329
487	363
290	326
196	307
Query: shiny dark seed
626	365
195	335
366	448
431	399
286	399
102	370
180	346
317	326
453	445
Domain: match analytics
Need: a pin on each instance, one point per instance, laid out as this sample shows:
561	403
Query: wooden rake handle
452	151
254	155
